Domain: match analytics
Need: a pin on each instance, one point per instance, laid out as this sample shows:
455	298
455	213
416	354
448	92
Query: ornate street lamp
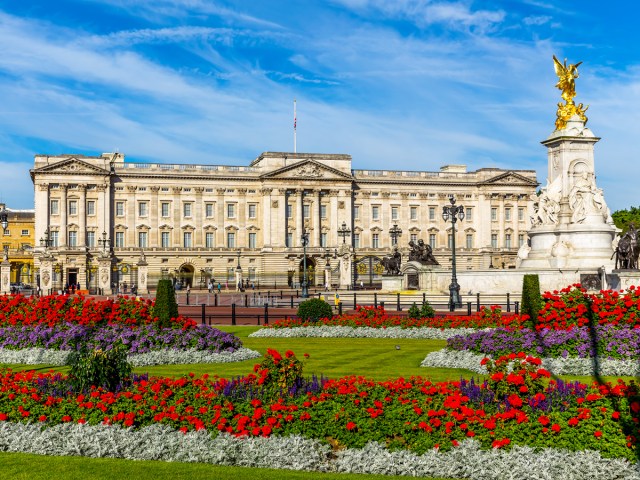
46	240
104	242
239	267
4	218
344	232
454	212
395	232
304	239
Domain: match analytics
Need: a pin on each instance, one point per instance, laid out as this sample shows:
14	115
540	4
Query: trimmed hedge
166	306
314	309
531	297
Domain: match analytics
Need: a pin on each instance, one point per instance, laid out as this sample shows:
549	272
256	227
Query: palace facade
199	222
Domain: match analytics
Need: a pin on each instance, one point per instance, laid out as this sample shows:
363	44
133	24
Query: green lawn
22	466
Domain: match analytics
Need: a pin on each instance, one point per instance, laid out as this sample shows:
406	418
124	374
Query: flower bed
373	317
604	341
414	414
61	309
358	332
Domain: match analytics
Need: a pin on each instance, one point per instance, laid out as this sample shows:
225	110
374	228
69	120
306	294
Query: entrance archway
185	275
311	271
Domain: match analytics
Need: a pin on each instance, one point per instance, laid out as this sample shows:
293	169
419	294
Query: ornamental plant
531	299
513	375
491	315
108	369
427	311
313	310
414	311
166	307
278	373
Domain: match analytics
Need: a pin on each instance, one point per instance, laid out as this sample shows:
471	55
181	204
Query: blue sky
397	84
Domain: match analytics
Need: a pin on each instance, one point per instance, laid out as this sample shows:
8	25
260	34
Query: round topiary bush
314	309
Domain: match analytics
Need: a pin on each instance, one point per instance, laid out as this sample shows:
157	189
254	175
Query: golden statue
567	75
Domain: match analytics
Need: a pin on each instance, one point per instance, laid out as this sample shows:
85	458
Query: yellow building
18	241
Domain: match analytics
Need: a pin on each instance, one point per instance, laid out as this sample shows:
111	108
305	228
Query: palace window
164	207
119	239
432	240
323	239
24	233
469	240
252	240
91	239
54	207
507	214
494	214
164	239
323	211
414	213
413	237
91	207
252	210
119	209
306	211
54	238
231	210
432	213
186	209
394	213
289	211
186	239
469	213
208	209
73	239
507	240
521	214
356	212
520	240
209	240
73	207
231	240
375	212
356	240
142	209
494	240
142	239
289	239
375	240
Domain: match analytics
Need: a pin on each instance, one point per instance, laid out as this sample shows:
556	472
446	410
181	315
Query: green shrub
100	368
531	298
166	306
414	311
314	309
427	310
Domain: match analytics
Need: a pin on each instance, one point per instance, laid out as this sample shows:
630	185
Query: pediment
307	170
509	178
72	166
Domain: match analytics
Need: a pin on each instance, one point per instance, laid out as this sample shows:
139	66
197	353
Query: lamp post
395	232
304	239
344	232
104	242
4	218
454	212
45	241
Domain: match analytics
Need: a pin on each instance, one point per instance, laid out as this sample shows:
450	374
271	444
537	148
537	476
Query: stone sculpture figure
392	263
547	206
628	250
585	199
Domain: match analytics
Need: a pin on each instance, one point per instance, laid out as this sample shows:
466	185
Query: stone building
18	241
201	222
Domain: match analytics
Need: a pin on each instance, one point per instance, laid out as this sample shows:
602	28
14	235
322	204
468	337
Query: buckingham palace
98	219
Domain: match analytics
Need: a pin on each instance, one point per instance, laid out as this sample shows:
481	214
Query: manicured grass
22	466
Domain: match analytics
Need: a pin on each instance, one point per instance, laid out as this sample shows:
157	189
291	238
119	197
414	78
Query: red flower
597	434
351	426
555	427
544	420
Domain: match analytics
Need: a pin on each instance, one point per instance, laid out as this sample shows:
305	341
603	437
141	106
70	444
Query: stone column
327	274
220	220
82	216
266	217
317	220
131	217
143	268
104	275
154	239
238	278
198	234
62	236
334	221
345	266
177	217
299	219
242	240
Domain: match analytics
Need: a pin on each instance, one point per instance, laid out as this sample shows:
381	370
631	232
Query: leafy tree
622	218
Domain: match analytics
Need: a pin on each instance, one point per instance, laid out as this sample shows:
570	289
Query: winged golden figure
567	75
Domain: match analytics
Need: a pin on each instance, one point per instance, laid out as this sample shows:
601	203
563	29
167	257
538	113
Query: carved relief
5	281
45	278
104	278
198	189
341	205
43	187
274	204
309	171
154	188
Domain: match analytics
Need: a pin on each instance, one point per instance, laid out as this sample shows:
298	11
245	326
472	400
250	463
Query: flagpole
294	125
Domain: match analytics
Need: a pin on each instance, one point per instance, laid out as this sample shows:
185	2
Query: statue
585	198
422	252
627	250
392	263
547	204
567	75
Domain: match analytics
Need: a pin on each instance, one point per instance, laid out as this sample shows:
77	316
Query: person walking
219	288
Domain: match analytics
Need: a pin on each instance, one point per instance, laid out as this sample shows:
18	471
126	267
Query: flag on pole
295	120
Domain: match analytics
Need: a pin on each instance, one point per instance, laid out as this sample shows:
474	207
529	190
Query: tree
622	218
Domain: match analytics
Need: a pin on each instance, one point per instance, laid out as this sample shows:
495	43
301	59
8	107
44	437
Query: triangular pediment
509	178
307	170
72	166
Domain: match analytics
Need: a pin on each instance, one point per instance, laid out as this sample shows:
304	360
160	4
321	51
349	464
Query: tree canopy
622	218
